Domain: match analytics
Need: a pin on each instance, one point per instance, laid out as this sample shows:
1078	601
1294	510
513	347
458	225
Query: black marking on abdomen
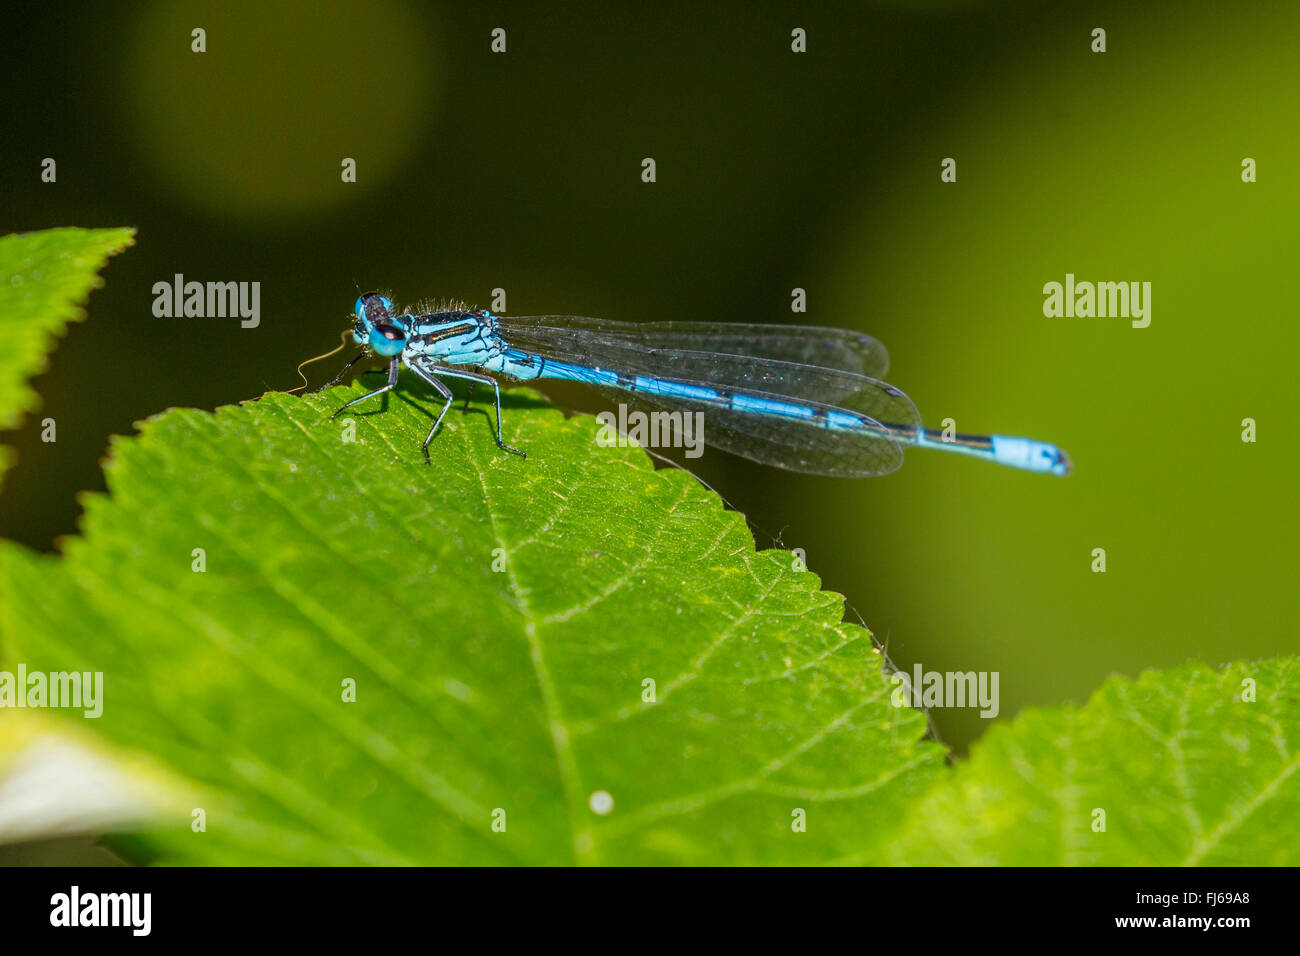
431	337
978	442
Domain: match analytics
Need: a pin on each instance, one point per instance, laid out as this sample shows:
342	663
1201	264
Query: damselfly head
376	325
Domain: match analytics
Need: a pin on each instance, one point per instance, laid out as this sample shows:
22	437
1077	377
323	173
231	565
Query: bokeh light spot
260	123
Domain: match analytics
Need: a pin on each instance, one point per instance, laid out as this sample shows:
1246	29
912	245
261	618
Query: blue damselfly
803	398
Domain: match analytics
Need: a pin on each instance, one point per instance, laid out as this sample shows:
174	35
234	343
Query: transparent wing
792	444
806	344
884	419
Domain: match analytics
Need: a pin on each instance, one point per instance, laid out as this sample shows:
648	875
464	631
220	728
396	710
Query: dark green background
775	171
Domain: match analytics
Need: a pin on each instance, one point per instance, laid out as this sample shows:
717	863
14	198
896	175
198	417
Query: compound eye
387	339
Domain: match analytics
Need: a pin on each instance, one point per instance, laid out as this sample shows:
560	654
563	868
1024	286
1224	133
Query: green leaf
1185	770
44	278
505	622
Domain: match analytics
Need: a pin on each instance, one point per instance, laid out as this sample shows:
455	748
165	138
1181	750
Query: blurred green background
776	170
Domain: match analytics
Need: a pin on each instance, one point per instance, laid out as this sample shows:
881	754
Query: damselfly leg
393	368
445	392
427	372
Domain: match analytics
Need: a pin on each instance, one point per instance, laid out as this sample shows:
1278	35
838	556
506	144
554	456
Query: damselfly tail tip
1063	464
1039	456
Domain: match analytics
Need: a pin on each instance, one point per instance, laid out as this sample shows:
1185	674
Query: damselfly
802	398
